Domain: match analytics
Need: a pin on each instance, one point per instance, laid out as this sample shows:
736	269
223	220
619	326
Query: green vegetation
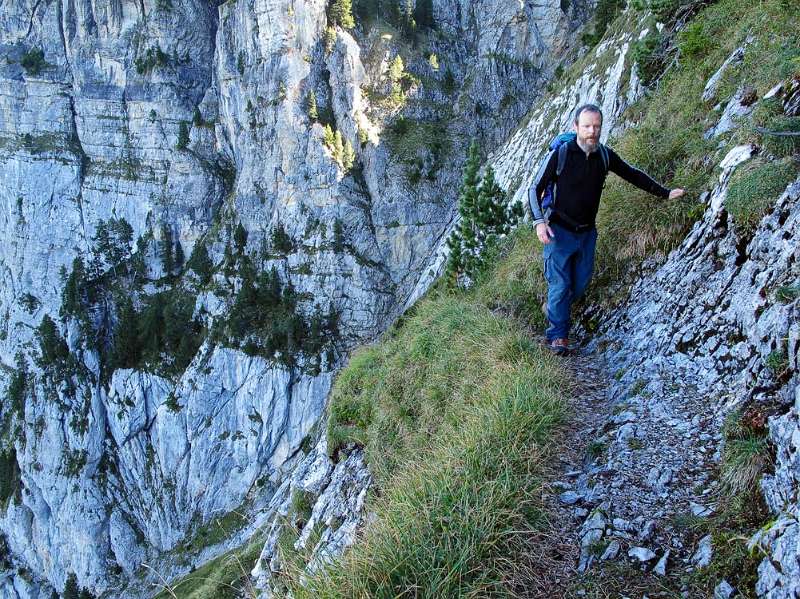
200	263
341	150
411	18
9	475
754	187
293	560
664	10
45	142
455	408
635	225
595	449
648	54
486	216
302	504
396	75
340	12
265	320
517	285
17	387
419	144
183	136
226	577
338	236
71	590
33	61
777	361
605	12
787	293
329	39
52	347
282	243
772	129
311	106
216	530
154	57
74	462
747	457
163	336
694	41
30	303
170	250
160	334
741	512
635	443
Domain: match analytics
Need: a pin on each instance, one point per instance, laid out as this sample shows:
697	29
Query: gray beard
586	148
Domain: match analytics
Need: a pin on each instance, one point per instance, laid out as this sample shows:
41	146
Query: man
567	230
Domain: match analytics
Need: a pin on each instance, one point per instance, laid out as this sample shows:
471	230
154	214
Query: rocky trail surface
629	466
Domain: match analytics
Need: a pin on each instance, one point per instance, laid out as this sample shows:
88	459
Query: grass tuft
755	187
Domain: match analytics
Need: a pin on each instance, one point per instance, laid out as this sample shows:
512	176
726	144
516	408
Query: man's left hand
676	193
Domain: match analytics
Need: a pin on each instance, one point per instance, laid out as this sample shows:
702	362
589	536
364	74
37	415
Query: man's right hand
544	233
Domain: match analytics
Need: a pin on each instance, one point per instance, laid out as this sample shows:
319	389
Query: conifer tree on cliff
485	216
341	13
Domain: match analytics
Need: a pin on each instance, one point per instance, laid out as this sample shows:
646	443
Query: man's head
588	125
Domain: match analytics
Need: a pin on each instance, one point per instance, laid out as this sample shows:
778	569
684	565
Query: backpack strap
604	156
562	159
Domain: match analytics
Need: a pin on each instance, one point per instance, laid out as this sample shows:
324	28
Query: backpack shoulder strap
604	156
562	159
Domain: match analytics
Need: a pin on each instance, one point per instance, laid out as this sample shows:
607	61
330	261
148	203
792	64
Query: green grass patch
767	124
777	361
787	293
302	505
634	443
226	577
217	530
515	281
456	408
595	449
754	188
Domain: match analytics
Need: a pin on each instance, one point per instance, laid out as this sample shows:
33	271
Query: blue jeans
568	265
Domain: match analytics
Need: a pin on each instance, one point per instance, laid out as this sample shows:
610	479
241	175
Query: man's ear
574	126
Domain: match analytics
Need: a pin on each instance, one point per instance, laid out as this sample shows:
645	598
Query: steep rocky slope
694	331
171	146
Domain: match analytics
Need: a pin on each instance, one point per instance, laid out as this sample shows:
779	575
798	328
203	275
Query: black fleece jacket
581	183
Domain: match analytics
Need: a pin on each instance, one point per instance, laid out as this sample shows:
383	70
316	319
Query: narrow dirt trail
632	468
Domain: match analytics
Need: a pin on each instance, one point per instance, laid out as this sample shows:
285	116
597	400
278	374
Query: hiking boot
559	346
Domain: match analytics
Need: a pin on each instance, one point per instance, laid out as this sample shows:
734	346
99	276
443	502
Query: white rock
641	554
704	552
661	567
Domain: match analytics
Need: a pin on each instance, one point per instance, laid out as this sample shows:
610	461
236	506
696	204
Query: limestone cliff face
186	120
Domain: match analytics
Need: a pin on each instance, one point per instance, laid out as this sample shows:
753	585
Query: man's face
588	129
